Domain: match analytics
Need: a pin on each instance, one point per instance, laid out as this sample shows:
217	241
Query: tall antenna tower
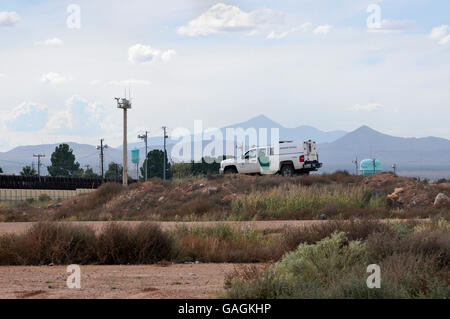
124	104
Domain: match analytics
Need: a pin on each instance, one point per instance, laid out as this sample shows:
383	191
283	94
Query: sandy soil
179	281
258	225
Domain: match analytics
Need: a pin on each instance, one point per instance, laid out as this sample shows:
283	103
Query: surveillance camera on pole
123	103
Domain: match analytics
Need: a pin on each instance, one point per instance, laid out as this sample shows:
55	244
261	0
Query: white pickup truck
292	158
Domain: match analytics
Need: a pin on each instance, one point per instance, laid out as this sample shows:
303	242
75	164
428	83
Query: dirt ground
20	227
176	281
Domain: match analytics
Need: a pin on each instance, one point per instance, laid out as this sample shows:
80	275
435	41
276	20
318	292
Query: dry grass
335	196
414	263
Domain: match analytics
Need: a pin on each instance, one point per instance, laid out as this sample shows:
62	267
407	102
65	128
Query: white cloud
390	26
78	118
54	78
130	82
50	42
323	29
2	75
274	35
140	53
8	19
440	33
445	40
303	27
228	18
27	117
95	82
218	18
367	107
166	56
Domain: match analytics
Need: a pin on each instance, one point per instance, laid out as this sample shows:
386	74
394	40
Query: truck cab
288	159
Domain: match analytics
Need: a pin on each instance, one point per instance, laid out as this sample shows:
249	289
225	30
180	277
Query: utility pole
39	162
145	137
102	147
165	155
123	103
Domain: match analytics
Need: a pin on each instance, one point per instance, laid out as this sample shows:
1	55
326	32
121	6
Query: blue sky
304	62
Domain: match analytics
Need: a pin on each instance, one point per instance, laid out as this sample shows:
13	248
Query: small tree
114	171
28	171
1	171
155	161
63	162
89	173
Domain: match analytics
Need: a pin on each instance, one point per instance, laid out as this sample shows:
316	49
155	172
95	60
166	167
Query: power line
165	152
102	147
39	162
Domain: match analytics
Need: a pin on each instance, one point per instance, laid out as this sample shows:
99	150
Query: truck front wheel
287	171
230	170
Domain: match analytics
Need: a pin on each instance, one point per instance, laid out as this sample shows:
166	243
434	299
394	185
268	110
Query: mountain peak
364	128
259	121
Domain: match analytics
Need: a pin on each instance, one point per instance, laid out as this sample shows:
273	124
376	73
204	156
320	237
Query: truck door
250	164
268	163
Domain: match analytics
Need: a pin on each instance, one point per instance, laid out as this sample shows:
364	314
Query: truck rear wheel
287	171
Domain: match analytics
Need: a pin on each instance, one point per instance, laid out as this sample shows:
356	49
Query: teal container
135	156
366	167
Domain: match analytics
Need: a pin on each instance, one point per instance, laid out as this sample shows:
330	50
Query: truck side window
252	154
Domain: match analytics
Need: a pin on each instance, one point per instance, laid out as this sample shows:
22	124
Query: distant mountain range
409	154
337	149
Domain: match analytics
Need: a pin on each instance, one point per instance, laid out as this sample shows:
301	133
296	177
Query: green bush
323	262
413	262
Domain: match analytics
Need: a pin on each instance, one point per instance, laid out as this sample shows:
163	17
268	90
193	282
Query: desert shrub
261	284
108	191
426	239
355	229
145	244
46	243
324	261
44	198
58	243
411	267
222	243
